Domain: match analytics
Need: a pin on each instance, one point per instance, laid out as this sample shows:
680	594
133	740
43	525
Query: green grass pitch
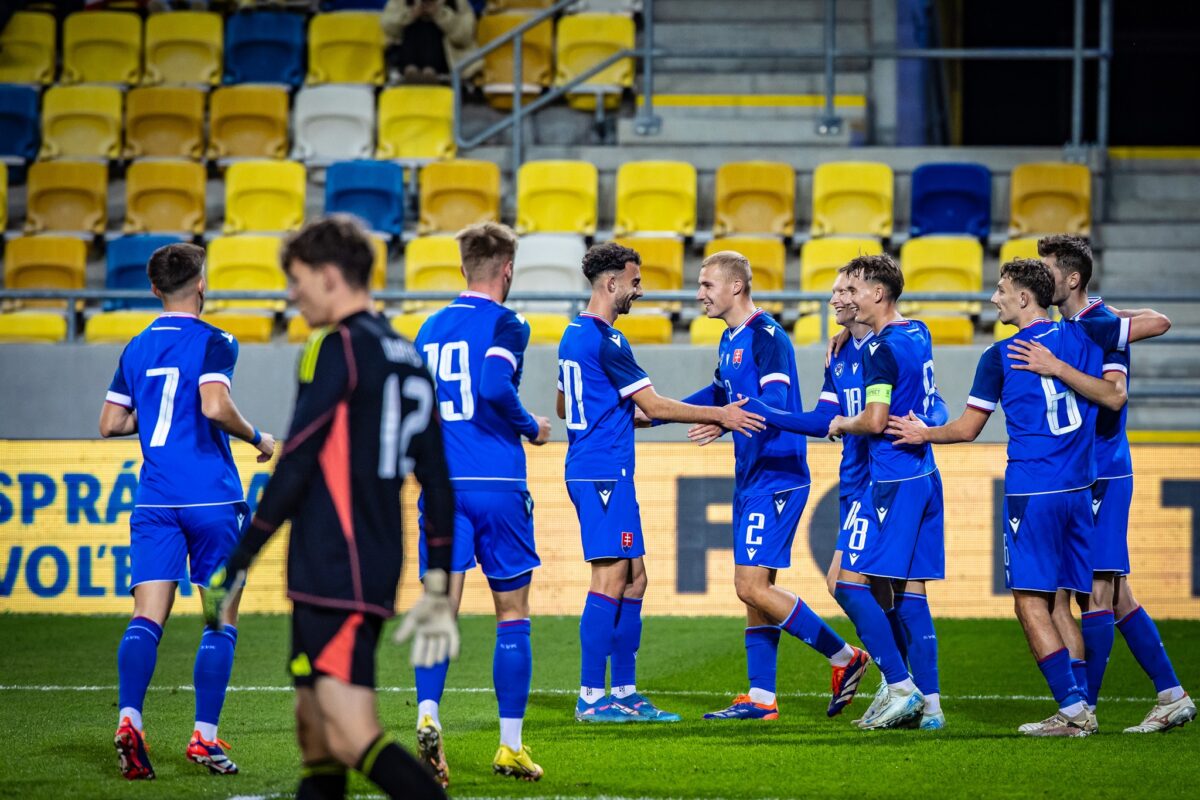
58	731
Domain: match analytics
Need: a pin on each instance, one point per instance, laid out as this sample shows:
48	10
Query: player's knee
749	591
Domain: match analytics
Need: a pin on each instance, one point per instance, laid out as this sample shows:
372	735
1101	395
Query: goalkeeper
364	417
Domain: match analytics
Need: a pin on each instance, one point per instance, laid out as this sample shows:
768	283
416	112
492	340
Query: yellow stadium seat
1019	248
755	197
264	196
645	328
432	264
81	122
656	197
298	330
44	262
165	196
852	198
584	40
1001	331
117	327
102	47
345	47
458	193
807	329
546	328
1051	198
949	328
706	331
248	122
379	268
767	257
499	65
32	327
416	122
662	266
28	48
245	263
942	264
67	196
409	325
557	197
164	122
245	326
820	259
184	47
3	197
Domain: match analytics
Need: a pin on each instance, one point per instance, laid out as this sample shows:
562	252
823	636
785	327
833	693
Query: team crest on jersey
626	540
838	369
737	358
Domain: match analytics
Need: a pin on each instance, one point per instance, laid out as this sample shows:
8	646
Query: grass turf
58	741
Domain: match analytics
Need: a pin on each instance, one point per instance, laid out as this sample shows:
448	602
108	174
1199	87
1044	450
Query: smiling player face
1007	301
716	292
627	287
864	297
843	309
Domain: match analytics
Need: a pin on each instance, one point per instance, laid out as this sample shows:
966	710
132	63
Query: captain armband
879	393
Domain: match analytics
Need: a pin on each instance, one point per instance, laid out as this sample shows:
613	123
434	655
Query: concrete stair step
697	37
756	82
772	11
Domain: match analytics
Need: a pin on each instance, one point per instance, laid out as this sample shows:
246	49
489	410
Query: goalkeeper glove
221	586
431	624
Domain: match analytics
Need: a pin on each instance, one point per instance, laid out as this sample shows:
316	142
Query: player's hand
835	344
222	585
1034	357
908	429
640	420
735	418
837	427
703	433
266	448
543	434
430	623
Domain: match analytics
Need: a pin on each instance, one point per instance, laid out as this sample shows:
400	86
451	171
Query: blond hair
733	265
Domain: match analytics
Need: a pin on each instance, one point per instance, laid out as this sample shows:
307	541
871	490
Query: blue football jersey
1113	459
185	458
844	388
752	358
898	369
1051	430
598	376
463	344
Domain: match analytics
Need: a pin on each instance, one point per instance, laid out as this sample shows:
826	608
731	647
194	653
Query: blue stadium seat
19	122
952	198
372	190
127	257
265	47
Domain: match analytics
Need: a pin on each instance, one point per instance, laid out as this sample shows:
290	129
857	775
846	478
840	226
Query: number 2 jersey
186	459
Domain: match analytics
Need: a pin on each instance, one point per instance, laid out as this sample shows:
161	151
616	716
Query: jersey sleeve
989	381
500	363
620	367
880	373
120	393
220	357
771	358
829	392
938	412
1108	331
1117	361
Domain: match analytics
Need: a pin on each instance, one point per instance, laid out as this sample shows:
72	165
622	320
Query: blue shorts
1111	499
905	539
764	526
493	529
852	535
173	543
1047	541
610	521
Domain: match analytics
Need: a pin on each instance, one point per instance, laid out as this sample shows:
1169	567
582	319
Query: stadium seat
44	262
264	47
755	197
246	327
81	122
67	196
1050	198
1000	331
645	328
662	261
432	264
102	47
499	65
952	199
706	332
127	260
656	197
32	327
346	47
584	40
458	193
117	327
942	264
28	48
248	122
852	198
165	196
245	263
498	6
409	325
298	330
184	47
549	262
416	122
546	329
264	196
164	122
949	328
1025	247
334	123
807	329
19	126
820	259
767	256
373	191
557	197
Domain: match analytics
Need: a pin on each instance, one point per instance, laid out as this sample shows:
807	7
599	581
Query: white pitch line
280	796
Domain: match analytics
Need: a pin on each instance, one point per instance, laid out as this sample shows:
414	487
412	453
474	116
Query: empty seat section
102	47
557	197
545	328
32	327
499	66
373	191
662	261
264	47
852	198
458	193
334	123
416	122
820	259
28	48
582	42
184	47
165	196
117	327
549	262
346	47
245	263
432	264
248	122
642	328
1025	247
245	326
164	122
656	197
67	196
948	328
264	196
755	197
81	122
706	331
409	325
128	257
942	264
44	262
952	198
19	127
1051	198
807	329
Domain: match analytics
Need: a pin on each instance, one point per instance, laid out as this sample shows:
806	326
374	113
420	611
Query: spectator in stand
427	37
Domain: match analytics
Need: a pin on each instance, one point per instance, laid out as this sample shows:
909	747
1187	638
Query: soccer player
755	359
904	543
475	348
365	416
1051	465
176	376
599	386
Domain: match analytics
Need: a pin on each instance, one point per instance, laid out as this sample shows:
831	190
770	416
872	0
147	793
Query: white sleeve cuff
828	397
119	399
1115	368
634	388
774	377
500	352
560	386
215	377
981	404
1123	341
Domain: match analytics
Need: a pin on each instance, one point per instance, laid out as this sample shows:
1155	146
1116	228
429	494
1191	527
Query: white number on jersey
1053	398
572	381
451	364
166	406
930	386
854	401
757	521
395	430
857	526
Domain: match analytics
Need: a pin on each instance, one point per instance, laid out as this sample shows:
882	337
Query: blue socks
898	633
136	657
214	664
1079	671
913	611
627	637
812	630
1056	668
1141	634
431	683
1098	634
762	649
873	628
596	636
512	667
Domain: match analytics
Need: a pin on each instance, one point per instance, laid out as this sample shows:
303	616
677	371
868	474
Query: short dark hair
607	257
337	239
1072	253
174	266
879	269
486	247
1033	275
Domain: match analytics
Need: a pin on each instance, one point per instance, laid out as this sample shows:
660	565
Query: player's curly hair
1072	253
879	269
337	239
1032	275
174	266
607	257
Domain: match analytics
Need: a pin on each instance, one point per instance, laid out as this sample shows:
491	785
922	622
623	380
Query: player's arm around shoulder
879	377
216	403
985	396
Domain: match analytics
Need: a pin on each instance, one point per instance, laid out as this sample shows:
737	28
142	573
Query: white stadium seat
334	123
549	262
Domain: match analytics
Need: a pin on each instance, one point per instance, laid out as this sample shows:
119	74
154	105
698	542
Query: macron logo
779	504
1096	506
854	367
882	512
228	336
751	552
604	495
770	330
615	339
1014	523
240	518
873	346
853	558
